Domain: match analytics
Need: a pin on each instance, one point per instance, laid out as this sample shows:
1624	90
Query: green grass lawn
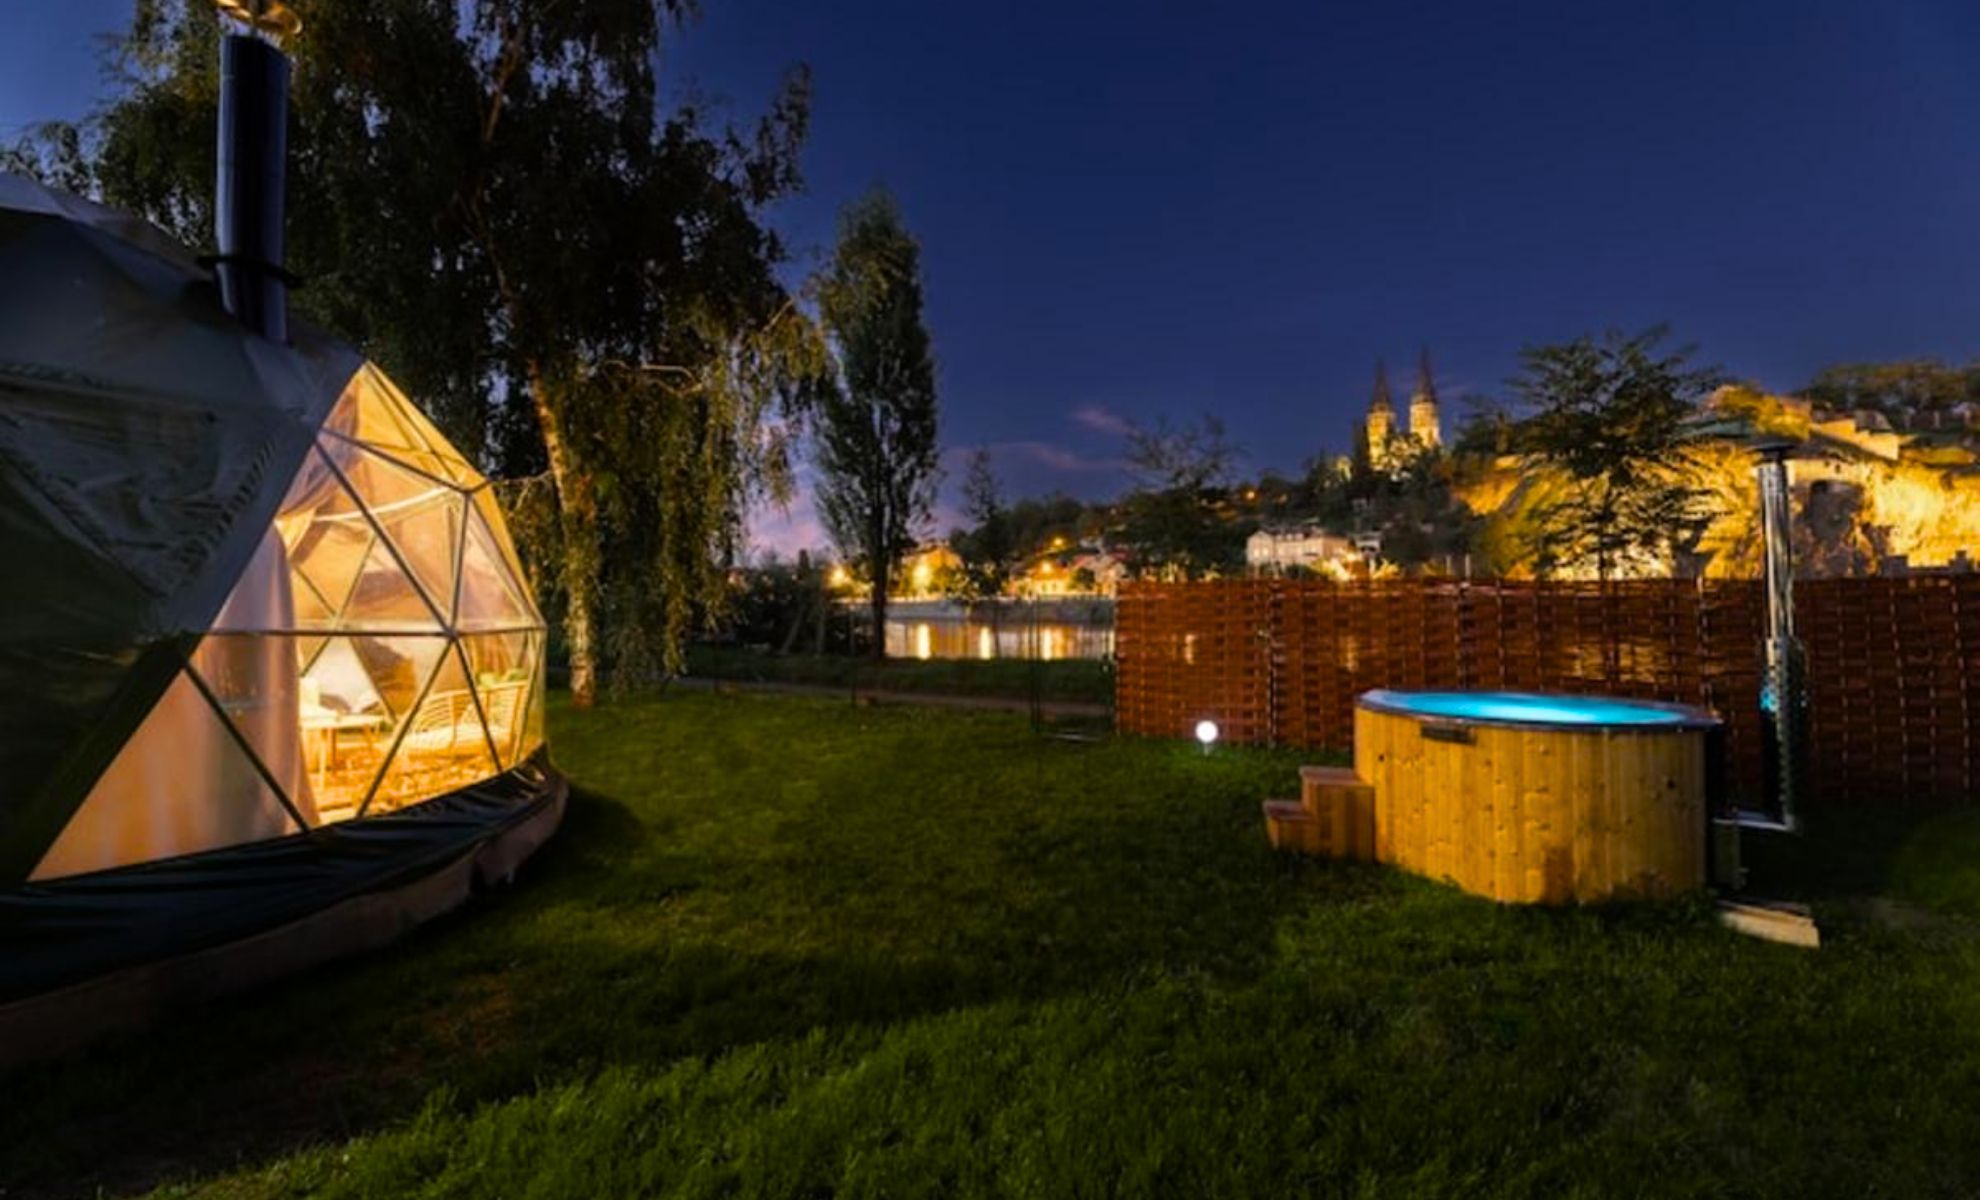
790	947
1082	681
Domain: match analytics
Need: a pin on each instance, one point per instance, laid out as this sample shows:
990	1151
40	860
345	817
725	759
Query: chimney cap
1773	447
270	18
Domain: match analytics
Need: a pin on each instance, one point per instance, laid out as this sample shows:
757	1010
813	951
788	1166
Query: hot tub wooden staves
1537	813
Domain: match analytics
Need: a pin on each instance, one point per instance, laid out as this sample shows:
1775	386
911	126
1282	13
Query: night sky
1132	211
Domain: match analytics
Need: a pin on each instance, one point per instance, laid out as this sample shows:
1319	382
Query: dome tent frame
149	446
385	600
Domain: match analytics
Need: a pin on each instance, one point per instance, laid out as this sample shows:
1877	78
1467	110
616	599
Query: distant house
1105	568
1275	549
929	570
1088	572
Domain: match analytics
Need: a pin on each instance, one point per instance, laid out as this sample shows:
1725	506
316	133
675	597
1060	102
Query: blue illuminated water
1527	708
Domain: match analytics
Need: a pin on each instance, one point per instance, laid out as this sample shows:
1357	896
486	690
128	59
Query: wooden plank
1338	800
1536	799
1507	781
1432	766
1631	792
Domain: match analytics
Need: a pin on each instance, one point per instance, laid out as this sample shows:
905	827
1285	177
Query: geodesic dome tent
265	645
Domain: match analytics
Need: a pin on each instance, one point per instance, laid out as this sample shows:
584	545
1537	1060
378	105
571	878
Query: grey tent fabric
151	450
146	440
21	194
69	930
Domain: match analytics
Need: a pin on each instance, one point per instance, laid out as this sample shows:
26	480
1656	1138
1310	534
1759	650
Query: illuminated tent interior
380	649
269	666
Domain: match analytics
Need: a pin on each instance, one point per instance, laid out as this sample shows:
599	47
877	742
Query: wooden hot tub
1536	798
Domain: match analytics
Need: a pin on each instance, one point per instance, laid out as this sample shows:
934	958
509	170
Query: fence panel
1894	706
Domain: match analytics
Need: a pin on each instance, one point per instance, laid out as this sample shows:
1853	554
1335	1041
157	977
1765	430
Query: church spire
1426	387
1379	426
1425	424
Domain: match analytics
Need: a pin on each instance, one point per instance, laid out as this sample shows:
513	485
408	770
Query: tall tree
988	545
1613	417
487	197
1174	516
877	417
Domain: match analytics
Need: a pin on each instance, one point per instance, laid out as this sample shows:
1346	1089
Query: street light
1206	733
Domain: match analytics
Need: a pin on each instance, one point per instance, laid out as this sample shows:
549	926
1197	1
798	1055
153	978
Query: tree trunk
879	614
577	508
798	618
824	613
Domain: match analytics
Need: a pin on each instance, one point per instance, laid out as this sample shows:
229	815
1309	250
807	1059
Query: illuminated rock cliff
1866	499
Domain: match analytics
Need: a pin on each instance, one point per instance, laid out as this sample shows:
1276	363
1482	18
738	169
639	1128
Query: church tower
1425	427
1380	426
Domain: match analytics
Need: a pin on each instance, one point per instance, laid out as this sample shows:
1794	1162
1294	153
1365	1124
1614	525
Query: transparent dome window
382	648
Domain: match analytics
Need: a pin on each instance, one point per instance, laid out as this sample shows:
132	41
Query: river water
950	633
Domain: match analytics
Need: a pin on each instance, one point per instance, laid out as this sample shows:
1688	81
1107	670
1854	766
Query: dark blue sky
1141	210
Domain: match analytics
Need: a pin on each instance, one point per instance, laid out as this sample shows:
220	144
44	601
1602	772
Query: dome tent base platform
116	951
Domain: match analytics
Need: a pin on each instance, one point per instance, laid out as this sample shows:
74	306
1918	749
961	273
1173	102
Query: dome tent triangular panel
156	799
241	603
492	597
491	515
443	743
377	414
506	686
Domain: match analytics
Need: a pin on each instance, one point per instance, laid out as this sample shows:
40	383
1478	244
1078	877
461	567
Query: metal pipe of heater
248	192
1783	697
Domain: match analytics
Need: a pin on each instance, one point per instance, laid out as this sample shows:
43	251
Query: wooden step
1291	827
1344	806
1326	775
1790	924
1316	781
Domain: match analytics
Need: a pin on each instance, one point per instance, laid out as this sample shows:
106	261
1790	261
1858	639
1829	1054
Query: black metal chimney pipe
248	194
1784	691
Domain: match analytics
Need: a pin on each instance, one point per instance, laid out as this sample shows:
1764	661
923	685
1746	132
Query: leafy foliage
782	607
1174	518
1899	390
1613	416
1486	429
487	198
1413	504
988	545
877	414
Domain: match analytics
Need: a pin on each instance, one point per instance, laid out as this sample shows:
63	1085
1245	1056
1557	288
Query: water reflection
964	638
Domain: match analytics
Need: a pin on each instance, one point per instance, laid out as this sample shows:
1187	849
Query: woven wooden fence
1894	664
